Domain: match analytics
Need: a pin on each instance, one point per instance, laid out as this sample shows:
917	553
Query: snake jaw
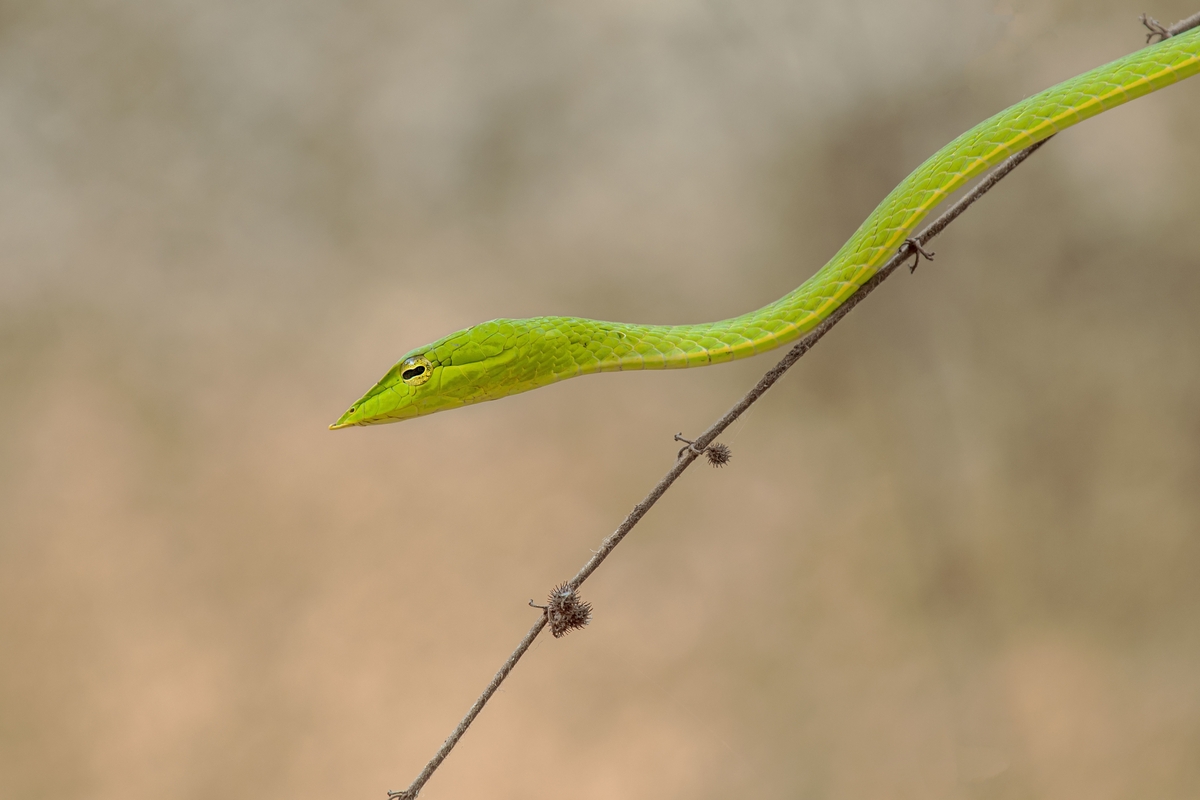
468	366
390	400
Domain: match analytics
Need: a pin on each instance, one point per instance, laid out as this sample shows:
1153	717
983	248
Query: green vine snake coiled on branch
507	356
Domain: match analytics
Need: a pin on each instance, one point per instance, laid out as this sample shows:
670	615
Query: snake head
466	367
395	396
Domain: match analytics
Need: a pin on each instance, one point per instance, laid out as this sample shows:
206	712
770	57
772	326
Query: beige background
956	553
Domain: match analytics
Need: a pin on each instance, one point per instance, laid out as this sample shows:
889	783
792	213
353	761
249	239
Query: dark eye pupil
409	374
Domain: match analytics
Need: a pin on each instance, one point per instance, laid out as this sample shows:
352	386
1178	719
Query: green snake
507	356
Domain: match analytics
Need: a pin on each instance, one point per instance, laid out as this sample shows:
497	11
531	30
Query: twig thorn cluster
718	454
565	610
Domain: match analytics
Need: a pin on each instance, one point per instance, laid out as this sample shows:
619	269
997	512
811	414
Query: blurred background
955	555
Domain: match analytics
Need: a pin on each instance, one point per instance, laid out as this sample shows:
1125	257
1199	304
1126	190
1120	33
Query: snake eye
415	370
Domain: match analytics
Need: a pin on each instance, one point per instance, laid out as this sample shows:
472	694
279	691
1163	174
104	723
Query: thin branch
452	739
1184	25
911	248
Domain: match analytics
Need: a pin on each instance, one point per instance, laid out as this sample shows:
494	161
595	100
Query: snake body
506	356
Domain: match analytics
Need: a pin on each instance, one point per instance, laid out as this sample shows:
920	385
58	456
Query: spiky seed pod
565	611
718	454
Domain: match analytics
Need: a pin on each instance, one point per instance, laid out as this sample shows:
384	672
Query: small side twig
1155	27
912	247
